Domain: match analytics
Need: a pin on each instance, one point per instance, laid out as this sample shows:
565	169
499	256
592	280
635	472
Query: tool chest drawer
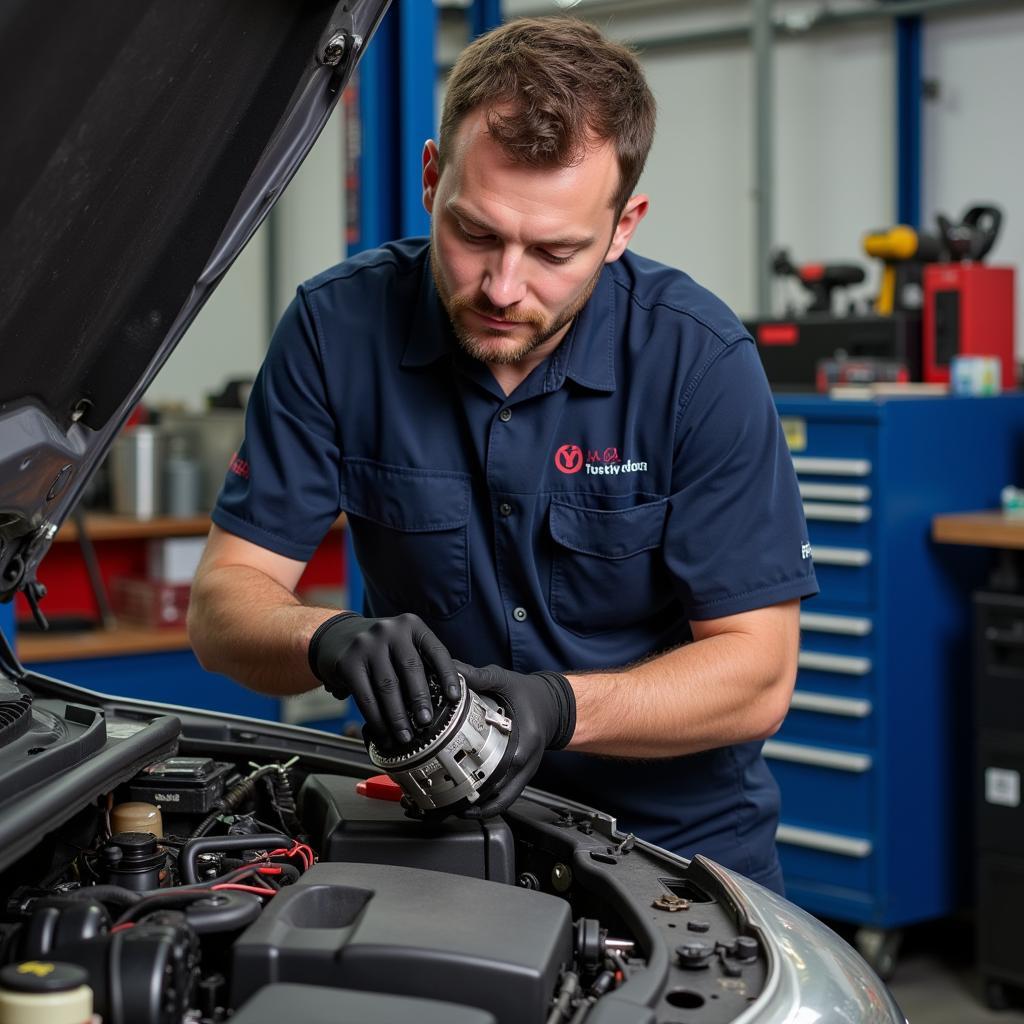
846	573
999	661
822	787
843	675
814	715
816	861
866	759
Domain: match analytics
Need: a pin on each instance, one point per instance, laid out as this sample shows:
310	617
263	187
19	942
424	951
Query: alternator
452	759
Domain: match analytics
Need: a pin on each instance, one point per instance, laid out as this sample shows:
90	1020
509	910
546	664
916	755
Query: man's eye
470	237
553	258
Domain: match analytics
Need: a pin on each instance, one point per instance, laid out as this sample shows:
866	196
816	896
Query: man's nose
503	284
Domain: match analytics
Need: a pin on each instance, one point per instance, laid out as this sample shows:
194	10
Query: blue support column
7	621
908	120
397	83
483	16
417	35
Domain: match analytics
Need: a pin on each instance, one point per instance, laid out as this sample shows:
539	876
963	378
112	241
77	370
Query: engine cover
407	931
351	827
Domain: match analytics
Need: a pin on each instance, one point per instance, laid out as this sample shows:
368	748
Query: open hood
144	142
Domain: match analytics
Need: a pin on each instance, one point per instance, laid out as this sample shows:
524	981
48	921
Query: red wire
258	889
122	927
298	850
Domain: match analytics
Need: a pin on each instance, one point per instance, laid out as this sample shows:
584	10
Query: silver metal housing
456	763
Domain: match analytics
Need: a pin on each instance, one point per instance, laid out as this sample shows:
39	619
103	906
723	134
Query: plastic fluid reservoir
45	990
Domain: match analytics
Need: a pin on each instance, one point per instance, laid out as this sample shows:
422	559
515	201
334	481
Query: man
561	464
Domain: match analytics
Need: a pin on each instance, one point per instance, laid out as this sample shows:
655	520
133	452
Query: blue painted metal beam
417	35
7	620
397	83
909	98
483	16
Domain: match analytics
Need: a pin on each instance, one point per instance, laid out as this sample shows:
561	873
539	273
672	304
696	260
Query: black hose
563	1001
115	894
205	844
159	900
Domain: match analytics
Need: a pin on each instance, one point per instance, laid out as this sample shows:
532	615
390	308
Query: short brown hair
567	85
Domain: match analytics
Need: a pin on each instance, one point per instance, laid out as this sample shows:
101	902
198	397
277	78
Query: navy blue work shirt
636	480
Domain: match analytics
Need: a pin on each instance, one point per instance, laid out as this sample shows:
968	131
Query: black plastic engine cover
352	827
406	931
314	1005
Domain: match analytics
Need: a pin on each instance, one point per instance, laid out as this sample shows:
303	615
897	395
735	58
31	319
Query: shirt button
505	415
505	508
519	614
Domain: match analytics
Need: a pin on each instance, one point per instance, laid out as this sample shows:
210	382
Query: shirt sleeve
735	535
281	490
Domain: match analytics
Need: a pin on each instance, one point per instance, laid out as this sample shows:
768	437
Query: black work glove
383	664
542	707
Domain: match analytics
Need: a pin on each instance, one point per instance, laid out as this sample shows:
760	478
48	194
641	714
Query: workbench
152	663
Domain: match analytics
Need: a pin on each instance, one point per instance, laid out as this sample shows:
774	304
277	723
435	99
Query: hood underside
144	142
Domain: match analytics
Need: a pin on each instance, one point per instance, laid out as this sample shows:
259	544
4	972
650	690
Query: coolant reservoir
137	816
45	990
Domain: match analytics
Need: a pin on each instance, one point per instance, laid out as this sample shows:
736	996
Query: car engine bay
213	868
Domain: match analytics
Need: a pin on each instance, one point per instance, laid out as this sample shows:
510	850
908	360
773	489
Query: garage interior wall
834	175
229	337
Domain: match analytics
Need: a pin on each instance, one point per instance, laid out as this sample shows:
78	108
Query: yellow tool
896	247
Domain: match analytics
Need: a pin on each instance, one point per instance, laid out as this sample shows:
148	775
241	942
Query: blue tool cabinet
874	758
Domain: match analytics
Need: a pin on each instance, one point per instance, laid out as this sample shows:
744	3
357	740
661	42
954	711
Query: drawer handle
855	557
835	492
834	513
845	707
844	664
829	842
843	625
819	757
832	467
1005	637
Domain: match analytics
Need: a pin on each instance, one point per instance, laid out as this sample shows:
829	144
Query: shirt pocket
410	531
607	571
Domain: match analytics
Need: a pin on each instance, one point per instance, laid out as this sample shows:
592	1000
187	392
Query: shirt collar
587	353
430	335
590	361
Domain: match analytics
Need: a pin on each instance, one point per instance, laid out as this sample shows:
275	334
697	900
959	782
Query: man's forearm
716	691
245	625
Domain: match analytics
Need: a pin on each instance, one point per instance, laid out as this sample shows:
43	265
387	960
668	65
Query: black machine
794	347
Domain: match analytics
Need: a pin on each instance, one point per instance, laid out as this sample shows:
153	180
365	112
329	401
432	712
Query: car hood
144	143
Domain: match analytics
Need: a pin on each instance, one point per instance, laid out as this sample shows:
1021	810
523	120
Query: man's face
516	250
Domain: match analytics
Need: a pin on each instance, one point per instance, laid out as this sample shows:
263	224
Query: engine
203	889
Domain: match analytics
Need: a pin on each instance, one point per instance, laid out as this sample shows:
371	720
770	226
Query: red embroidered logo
239	467
569	458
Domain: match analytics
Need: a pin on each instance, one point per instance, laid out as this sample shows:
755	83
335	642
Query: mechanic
561	465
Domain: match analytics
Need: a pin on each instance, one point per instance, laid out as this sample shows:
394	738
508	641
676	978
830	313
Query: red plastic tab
380	787
778	334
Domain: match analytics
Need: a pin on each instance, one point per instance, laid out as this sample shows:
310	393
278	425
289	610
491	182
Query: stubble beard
475	342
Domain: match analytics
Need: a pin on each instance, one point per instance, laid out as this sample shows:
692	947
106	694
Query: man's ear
632	213
431	174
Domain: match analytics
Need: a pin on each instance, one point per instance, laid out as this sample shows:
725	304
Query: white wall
226	340
974	129
834	135
229	337
834	175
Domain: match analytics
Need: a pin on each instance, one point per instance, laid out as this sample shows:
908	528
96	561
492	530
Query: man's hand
383	664
542	707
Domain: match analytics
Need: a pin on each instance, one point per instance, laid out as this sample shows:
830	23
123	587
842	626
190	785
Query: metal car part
453	760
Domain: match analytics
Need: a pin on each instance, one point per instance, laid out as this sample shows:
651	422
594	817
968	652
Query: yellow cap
42	990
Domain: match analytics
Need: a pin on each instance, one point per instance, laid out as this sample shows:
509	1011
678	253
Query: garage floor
935	982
